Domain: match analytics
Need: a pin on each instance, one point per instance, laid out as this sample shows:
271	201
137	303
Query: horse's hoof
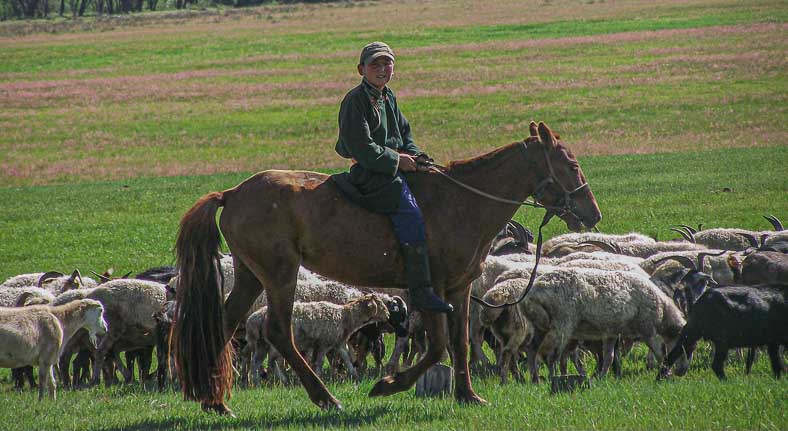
386	386
330	404
218	408
471	399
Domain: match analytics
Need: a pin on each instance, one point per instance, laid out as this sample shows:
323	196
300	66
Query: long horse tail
203	358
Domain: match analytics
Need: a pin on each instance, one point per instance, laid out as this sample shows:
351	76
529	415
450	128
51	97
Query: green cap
374	50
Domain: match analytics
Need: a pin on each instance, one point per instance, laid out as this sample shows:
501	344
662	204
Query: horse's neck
507	173
70	318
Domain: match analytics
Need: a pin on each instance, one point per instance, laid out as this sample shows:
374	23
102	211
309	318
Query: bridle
566	206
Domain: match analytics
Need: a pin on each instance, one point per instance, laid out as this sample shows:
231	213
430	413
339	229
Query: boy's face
378	72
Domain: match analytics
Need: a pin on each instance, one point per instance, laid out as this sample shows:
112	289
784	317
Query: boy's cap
374	50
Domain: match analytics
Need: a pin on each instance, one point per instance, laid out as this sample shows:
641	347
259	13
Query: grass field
110	129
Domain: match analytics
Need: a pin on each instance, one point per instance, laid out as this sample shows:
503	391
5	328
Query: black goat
734	316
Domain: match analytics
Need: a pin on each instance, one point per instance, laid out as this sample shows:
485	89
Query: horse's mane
468	165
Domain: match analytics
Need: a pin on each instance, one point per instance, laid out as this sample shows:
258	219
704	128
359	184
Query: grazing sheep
591	304
736	239
508	325
568	243
129	305
21	296
35	335
765	267
52	281
734	316
319	327
492	268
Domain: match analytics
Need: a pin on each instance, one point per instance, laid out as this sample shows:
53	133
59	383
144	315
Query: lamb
319	327
734	316
35	335
591	304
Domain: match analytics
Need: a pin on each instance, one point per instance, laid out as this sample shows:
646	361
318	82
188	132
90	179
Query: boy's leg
409	229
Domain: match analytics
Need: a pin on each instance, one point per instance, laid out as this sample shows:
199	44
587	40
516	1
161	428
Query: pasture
110	129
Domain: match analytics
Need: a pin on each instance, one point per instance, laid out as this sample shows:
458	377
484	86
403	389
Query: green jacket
373	138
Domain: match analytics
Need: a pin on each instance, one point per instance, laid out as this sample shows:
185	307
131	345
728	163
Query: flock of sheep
593	292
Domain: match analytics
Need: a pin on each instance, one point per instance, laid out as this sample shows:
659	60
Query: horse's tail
203	358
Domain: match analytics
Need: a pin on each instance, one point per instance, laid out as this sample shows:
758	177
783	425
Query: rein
567	207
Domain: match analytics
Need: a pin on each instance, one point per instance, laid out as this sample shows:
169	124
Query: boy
377	137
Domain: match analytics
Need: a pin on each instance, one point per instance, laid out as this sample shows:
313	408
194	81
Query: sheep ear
546	136
533	129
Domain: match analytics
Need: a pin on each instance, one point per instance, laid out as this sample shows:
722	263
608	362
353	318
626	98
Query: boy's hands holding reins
408	163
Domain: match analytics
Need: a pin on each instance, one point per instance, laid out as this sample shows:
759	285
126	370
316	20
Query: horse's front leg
458	334
436	346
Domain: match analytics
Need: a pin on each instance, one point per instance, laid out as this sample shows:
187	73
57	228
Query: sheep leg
345	355
504	365
436	346
476	335
718	365
400	346
608	347
752	354
104	348
776	360
577	360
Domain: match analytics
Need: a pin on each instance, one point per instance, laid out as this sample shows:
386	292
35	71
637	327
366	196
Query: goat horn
750	237
691	229
601	244
684	260
103	277
702	255
778	226
126	275
47	276
686	233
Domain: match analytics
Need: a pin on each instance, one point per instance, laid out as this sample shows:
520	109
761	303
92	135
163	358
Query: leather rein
568	206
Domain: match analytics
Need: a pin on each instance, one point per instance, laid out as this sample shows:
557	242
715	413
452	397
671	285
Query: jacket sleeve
408	145
355	134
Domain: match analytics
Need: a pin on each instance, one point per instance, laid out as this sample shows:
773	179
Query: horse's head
563	187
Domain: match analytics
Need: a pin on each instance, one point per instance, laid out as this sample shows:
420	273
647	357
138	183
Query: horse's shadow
344	419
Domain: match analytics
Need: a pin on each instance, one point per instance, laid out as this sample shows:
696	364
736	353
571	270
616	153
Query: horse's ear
546	135
532	128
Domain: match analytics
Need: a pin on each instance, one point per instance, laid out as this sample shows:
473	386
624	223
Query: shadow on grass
345	419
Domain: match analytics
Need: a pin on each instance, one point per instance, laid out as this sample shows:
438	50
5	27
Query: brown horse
277	220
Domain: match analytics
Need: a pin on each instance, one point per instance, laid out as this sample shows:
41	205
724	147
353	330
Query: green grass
131	225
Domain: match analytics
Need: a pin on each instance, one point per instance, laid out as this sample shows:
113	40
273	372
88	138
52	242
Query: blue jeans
407	219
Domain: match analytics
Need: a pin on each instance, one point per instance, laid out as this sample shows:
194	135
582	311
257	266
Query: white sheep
35	335
53	281
21	296
508	325
591	304
319	327
567	243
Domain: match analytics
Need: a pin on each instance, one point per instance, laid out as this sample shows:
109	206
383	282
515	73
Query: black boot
417	269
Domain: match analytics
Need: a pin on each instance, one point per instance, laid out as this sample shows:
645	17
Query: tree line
29	9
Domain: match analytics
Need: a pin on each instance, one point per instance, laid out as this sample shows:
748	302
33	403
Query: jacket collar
373	93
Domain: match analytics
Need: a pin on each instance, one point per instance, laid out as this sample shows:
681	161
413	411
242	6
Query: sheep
733	316
21	296
35	335
508	325
514	238
52	281
611	265
130	305
492	268
319	327
765	267
597	255
591	304
668	270
567	243
737	239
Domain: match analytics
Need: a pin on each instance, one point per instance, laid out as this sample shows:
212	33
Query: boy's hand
407	163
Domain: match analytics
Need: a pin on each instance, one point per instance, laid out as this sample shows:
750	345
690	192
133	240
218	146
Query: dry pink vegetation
82	106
